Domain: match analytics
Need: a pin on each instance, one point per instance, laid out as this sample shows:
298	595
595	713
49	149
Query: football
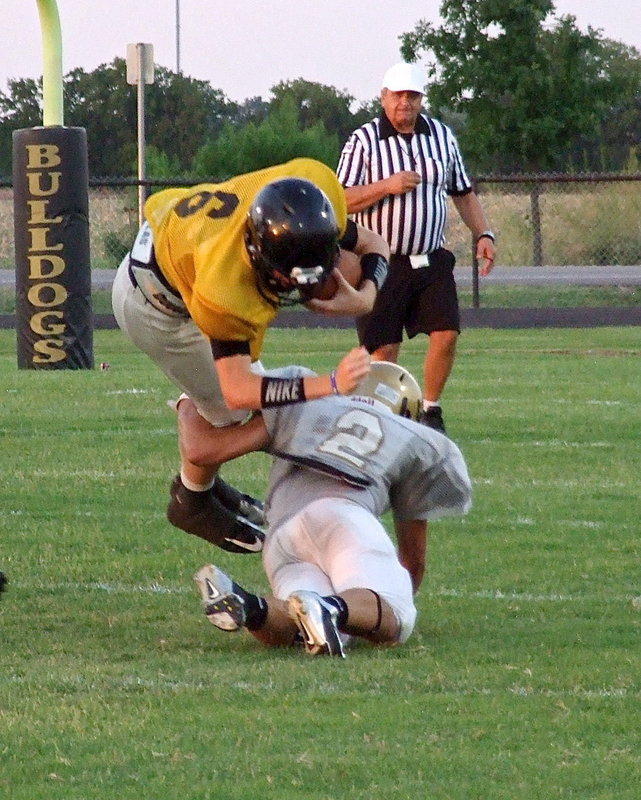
349	266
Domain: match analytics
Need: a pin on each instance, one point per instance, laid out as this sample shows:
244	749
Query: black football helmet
291	235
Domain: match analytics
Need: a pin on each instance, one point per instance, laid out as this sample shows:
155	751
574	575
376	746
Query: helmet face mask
394	387
291	235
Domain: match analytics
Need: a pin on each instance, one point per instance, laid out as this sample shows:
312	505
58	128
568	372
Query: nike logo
253	547
212	591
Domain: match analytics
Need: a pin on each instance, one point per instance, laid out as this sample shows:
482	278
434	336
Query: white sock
430	404
195	487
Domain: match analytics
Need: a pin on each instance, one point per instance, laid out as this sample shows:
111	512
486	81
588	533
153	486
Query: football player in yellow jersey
208	272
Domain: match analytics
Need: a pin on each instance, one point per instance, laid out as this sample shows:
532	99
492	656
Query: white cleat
223	607
316	621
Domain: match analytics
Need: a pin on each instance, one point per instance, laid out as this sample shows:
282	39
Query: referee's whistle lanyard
407	146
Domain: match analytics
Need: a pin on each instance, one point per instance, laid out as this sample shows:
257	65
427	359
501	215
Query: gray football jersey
355	448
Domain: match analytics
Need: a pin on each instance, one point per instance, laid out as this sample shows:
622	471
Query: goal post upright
52	96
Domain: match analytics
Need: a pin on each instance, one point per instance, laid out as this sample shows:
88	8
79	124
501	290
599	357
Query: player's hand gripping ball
349	266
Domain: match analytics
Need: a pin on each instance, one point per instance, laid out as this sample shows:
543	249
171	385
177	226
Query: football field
522	680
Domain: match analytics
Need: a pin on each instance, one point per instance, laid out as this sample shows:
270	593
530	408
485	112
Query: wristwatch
486	234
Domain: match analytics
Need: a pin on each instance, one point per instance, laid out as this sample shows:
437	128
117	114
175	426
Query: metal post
537	239
142	192
178	36
140	70
476	295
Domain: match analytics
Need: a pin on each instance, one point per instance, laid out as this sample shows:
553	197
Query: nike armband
374	267
281	392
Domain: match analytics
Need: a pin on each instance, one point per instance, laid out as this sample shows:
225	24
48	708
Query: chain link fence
556	221
539	220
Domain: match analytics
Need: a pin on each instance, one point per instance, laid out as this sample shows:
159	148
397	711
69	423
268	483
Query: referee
398	171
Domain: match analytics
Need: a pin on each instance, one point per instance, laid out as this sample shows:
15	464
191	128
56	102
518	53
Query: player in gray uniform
340	463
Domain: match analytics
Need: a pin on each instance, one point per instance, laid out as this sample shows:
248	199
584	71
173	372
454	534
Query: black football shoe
238	503
203	515
433	418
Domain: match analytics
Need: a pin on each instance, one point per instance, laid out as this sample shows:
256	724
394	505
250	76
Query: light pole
140	71
178	36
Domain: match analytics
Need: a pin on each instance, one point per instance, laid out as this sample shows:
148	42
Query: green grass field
522	680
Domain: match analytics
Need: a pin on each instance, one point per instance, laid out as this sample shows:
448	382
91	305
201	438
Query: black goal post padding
54	323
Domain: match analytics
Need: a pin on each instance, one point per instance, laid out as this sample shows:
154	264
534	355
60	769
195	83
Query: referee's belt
146	275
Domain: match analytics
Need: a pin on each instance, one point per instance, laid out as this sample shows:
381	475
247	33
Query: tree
181	114
318	103
615	146
527	85
253	146
20	108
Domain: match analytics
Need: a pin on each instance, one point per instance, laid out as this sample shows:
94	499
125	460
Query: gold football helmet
393	386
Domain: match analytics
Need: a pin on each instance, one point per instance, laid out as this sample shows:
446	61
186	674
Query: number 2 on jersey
357	435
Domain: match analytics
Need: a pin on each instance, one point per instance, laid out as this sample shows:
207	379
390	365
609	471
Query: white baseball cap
404	78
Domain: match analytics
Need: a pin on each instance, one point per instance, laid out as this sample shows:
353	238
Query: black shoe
433	418
238	503
203	515
3	581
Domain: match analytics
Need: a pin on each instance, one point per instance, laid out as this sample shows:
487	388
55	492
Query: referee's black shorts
420	300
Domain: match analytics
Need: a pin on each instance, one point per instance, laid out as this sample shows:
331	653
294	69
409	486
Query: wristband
281	392
486	235
332	380
374	267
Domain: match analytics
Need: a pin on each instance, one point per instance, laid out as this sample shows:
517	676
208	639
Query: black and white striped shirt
414	222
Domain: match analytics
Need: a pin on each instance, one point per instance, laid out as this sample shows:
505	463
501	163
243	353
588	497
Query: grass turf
520	681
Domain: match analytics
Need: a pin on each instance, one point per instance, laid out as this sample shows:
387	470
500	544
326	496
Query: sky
244	47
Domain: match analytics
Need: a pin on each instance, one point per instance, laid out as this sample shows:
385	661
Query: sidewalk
515	276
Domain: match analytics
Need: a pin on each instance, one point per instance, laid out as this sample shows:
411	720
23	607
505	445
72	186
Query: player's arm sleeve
350	238
223	349
441	488
458	182
351	165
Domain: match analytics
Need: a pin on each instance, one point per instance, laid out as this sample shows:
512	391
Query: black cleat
238	503
433	418
203	515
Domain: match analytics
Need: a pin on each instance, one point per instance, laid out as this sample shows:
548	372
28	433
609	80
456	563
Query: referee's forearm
472	213
361	197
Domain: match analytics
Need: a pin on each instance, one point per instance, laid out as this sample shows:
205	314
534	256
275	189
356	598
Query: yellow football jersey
199	243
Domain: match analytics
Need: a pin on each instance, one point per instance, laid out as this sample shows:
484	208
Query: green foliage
272	141
520	682
528	87
320	104
161	165
20	107
524	91
190	127
181	114
612	148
